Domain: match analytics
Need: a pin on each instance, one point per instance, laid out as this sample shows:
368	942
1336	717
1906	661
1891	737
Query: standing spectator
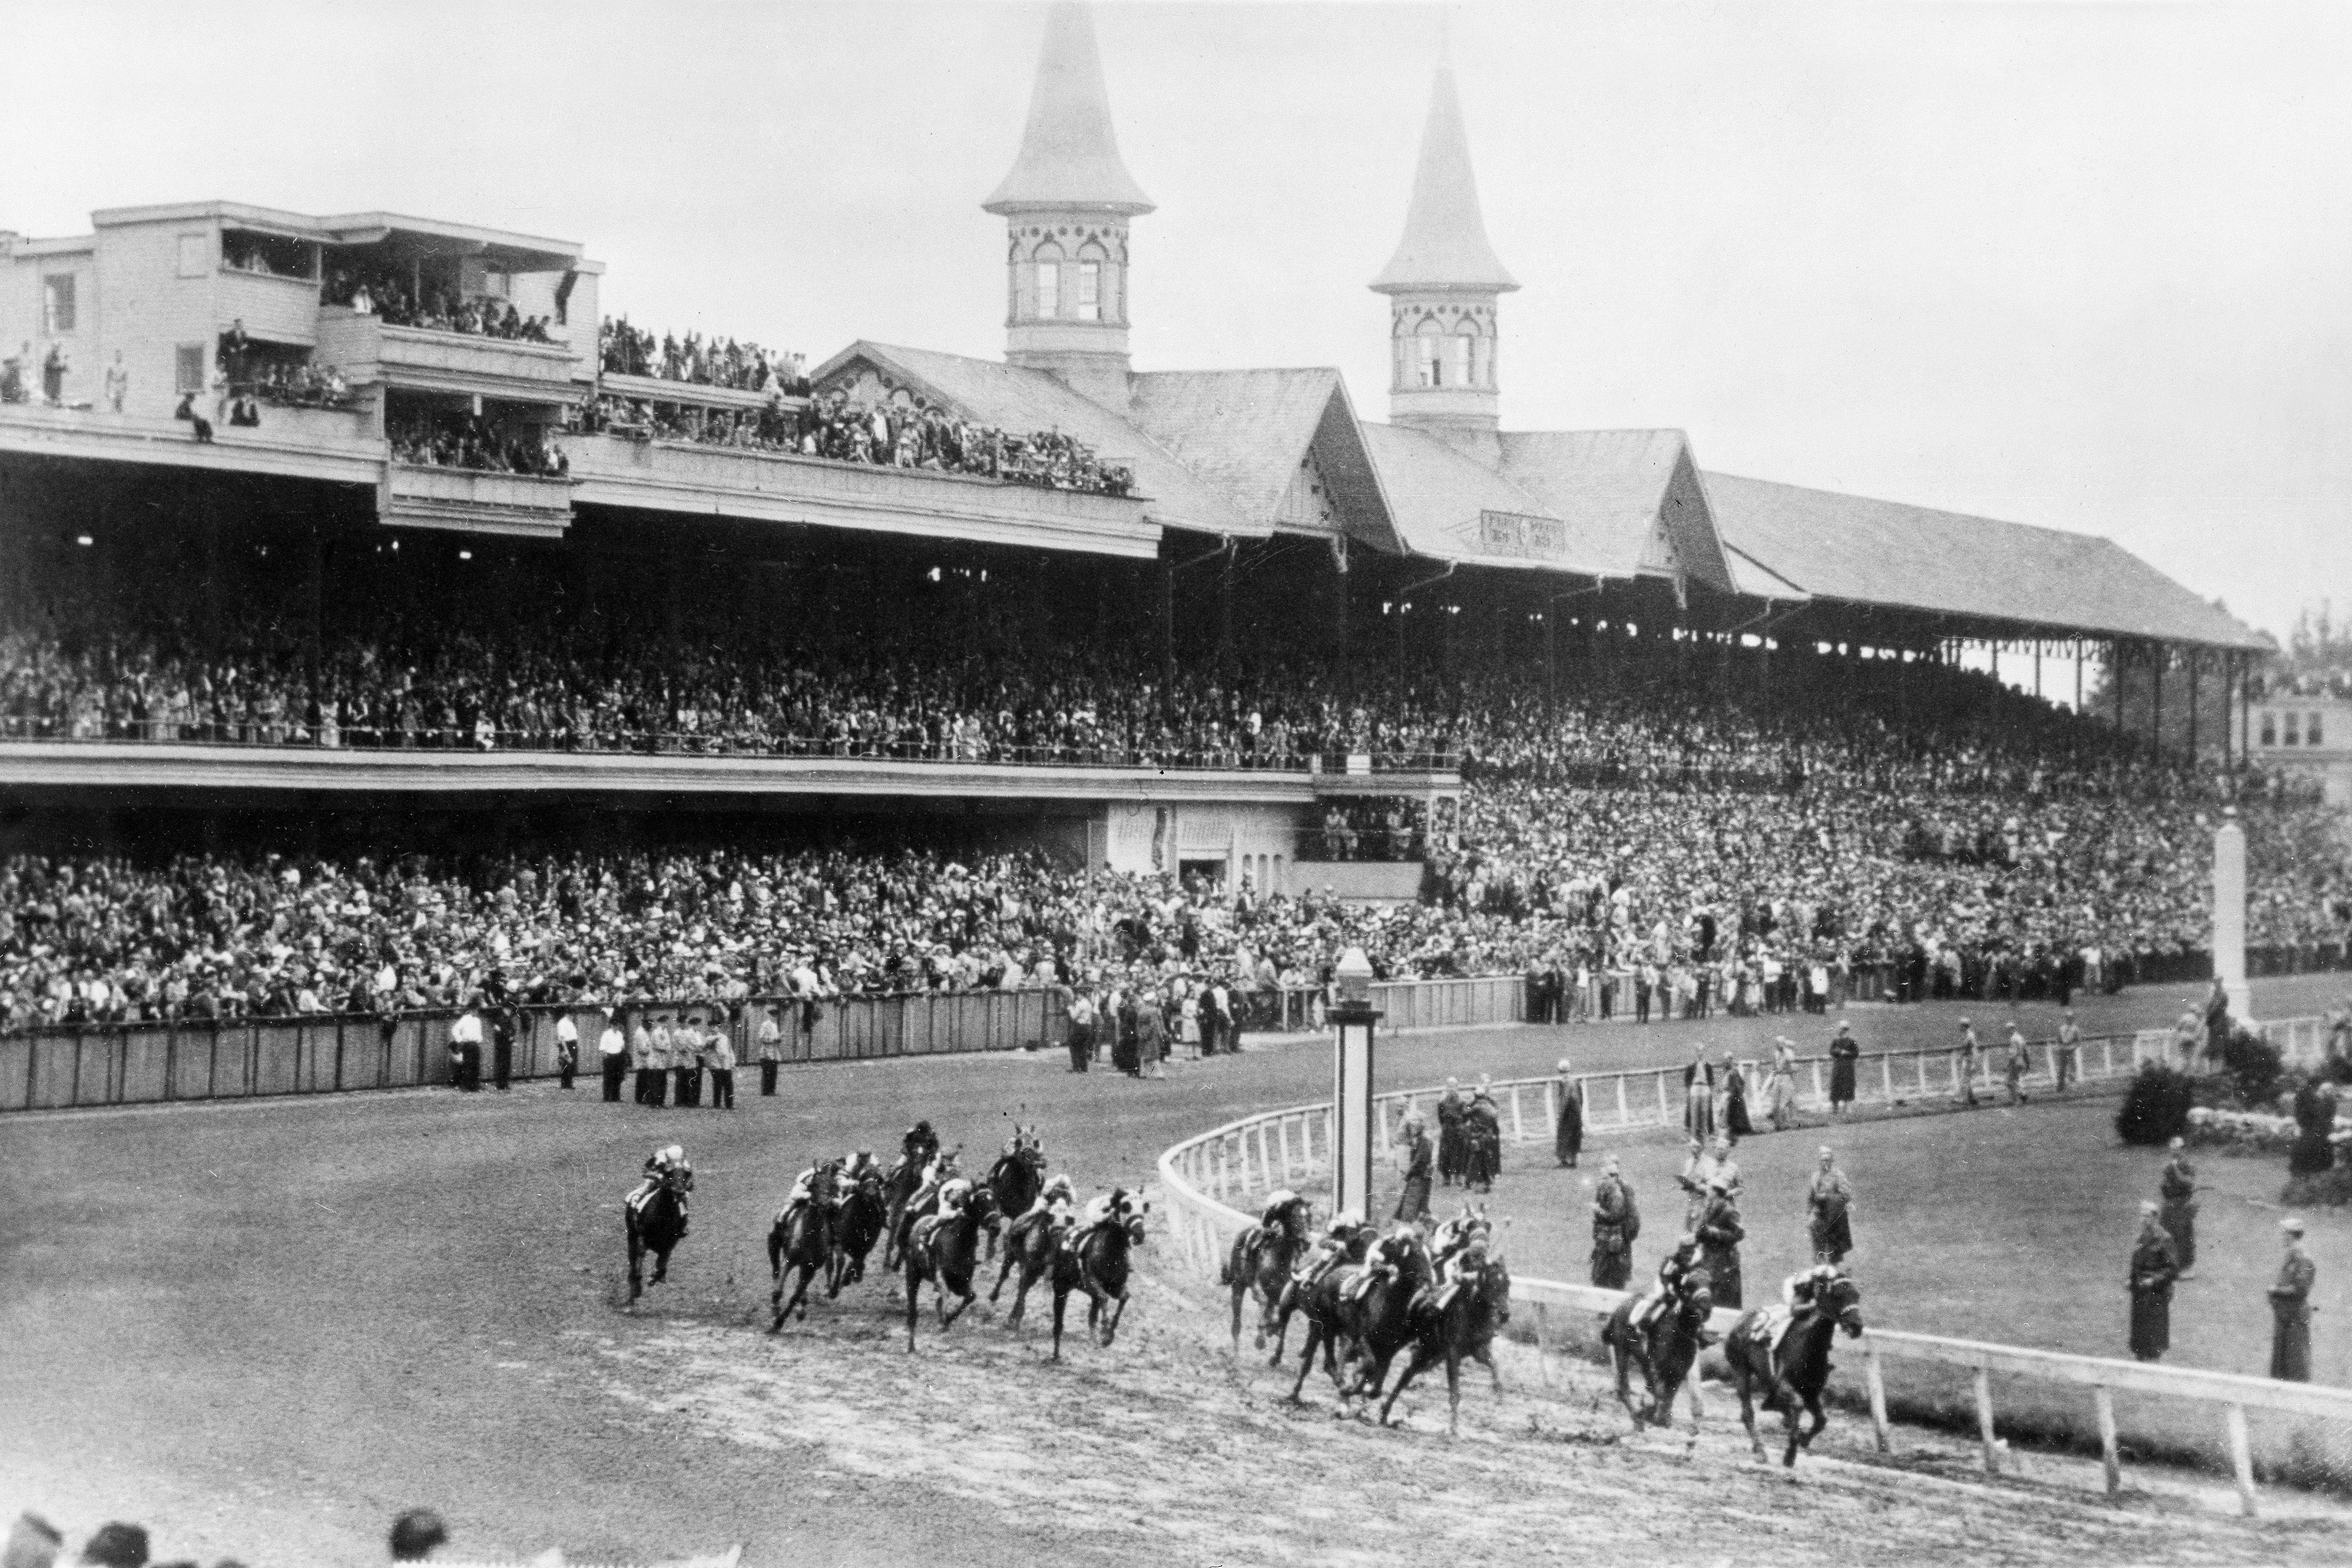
2016	1065
1831	1199
686	1061
1567	1121
1781	1093
1081	1030
2069	1049
1616	1221
2188	1034
1449	1133
466	1049
641	1058
502	1033
721	1049
2177	1191
1645	980
567	1048
2154	1267
1189	1022
1151	1037
1482	1129
1698	1097
663	1061
2291	1308
1968	1054
53	375
1719	1234
1414	1162
612	1056
1734	1120
1697	1174
1216	1019
1845	1051
117	384
772	1051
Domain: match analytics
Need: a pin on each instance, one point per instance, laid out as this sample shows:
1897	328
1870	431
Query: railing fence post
2110	1458
1875	1376
1983	1381
2241	1458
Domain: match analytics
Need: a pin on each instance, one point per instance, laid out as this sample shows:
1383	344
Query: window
195	255
1457	360
57	305
2289	739
1049	288
2311	730
188	368
2270	728
1090	290
1399	376
1481	362
1429	360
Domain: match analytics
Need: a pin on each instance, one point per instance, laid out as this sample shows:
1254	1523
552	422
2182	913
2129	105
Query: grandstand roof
1016	399
1438	498
1631	499
1247	431
1069	154
1989	576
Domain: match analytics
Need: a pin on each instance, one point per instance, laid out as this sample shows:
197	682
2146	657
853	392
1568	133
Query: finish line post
2229	914
1352	1087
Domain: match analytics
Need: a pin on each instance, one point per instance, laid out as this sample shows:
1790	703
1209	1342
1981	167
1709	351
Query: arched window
1429	354
2311	731
1482	361
1089	302
1457	359
1046	290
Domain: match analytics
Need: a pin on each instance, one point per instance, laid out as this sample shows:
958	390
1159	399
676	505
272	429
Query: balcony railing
465	499
422	359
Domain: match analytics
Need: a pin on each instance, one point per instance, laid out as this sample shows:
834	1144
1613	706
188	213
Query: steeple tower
1442	285
1065	204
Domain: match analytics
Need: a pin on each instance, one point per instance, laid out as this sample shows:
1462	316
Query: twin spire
1067	204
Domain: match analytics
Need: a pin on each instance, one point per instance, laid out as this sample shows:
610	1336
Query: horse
1664	1351
944	1250
1376	1326
1293	1298
1261	1260
802	1241
1032	1247
1796	1377
1098	1266
905	1210
1463	1329
856	1227
899	1185
1017	1177
655	1226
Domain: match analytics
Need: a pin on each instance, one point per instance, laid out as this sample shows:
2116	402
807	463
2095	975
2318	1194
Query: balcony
276	309
369	350
468	502
763	486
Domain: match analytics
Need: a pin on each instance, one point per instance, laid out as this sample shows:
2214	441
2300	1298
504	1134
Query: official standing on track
2291	1308
2177	1189
2069	1050
502	1031
641	1058
658	1064
1616	1221
772	1051
612	1056
1567	1129
722	1066
1969	1053
1845	1051
1831	1201
567	1048
2154	1267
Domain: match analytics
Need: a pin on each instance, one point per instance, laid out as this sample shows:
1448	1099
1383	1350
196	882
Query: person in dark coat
1844	1052
1415	1163
1733	1118
2291	1309
1719	1234
502	1033
1698	1097
1616	1221
2314	1115
1831	1202
1568	1125
1449	1133
2178	1187
2154	1267
1482	1133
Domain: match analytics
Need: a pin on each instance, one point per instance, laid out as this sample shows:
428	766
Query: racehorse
1293	1298
1464	1330
1802	1370
1017	1177
802	1241
944	1250
1664	1351
856	1227
897	1186
1098	1266
1032	1247
1374	1328
655	1226
1261	1260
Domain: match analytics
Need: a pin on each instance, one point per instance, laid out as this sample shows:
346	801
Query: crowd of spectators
844	430
467	441
381	293
626	350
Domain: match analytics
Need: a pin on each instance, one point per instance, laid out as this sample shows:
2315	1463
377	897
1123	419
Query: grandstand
367	535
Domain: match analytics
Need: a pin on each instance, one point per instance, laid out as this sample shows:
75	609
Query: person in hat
1970	1054
1845	1054
611	1054
2069	1054
1567	1118
2291	1308
1616	1221
1781	1087
1415	1162
1698	1096
772	1051
2154	1267
567	1048
1831	1199
2016	1065
1450	1141
1719	1233
2176	1187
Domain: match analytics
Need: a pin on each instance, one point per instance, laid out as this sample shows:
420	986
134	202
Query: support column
2037	669
1167	627
2078	677
1226	569
2196	670
2156	701
2115	679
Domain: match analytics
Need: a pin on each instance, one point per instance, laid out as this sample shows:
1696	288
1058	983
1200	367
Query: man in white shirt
466	1051
567	1048
613	1056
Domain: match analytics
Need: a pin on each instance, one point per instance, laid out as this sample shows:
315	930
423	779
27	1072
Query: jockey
1329	1250
1054	1201
954	1193
1388	1257
804	1185
665	1166
919	1145
943	1170
1102	1211
1674	1271
1275	1214
1800	1293
859	1166
1460	1270
1454	1234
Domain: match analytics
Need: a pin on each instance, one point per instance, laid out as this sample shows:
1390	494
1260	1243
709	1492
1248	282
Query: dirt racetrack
264	1328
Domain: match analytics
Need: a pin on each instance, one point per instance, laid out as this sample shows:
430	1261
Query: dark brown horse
655	1226
1664	1350
1097	1265
1018	1176
944	1250
1461	1330
1367	1330
856	1227
1797	1375
1261	1260
1293	1299
1030	1247
899	1185
801	1242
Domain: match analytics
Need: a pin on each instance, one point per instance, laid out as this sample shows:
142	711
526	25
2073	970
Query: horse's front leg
965	1297
1748	1409
636	1269
1413	1368
1061	1306
1453	1395
1315	1336
914	1296
661	1264
1484	1356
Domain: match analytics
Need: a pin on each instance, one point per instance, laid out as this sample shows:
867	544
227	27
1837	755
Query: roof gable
1631	499
1447	505
1252	434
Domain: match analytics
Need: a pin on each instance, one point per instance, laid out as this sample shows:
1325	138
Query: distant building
2310	737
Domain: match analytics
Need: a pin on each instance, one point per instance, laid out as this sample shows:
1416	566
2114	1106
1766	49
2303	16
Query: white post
2110	1455
1874	1374
1984	1420
2229	914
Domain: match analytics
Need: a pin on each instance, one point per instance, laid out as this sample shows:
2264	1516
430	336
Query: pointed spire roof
1069	154
1444	243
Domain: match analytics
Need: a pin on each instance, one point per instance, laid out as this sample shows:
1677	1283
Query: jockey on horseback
804	1185
1329	1250
1675	1272
1104	1211
1054	1201
917	1149
859	1166
1453	1234
1389	1258
1800	1295
1465	1265
942	1171
1282	1212
665	1166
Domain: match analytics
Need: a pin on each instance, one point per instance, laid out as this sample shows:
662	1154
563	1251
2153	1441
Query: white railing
1204	1177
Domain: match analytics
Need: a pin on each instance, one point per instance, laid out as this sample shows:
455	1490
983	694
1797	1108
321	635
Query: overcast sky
2088	266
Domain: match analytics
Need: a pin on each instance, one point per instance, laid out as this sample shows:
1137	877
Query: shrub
2253	1064
2156	1108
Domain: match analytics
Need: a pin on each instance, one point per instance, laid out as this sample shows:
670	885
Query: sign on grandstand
1522	534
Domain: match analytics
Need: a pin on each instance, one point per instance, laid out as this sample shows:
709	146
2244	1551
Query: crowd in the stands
381	293
626	350
839	427
463	441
